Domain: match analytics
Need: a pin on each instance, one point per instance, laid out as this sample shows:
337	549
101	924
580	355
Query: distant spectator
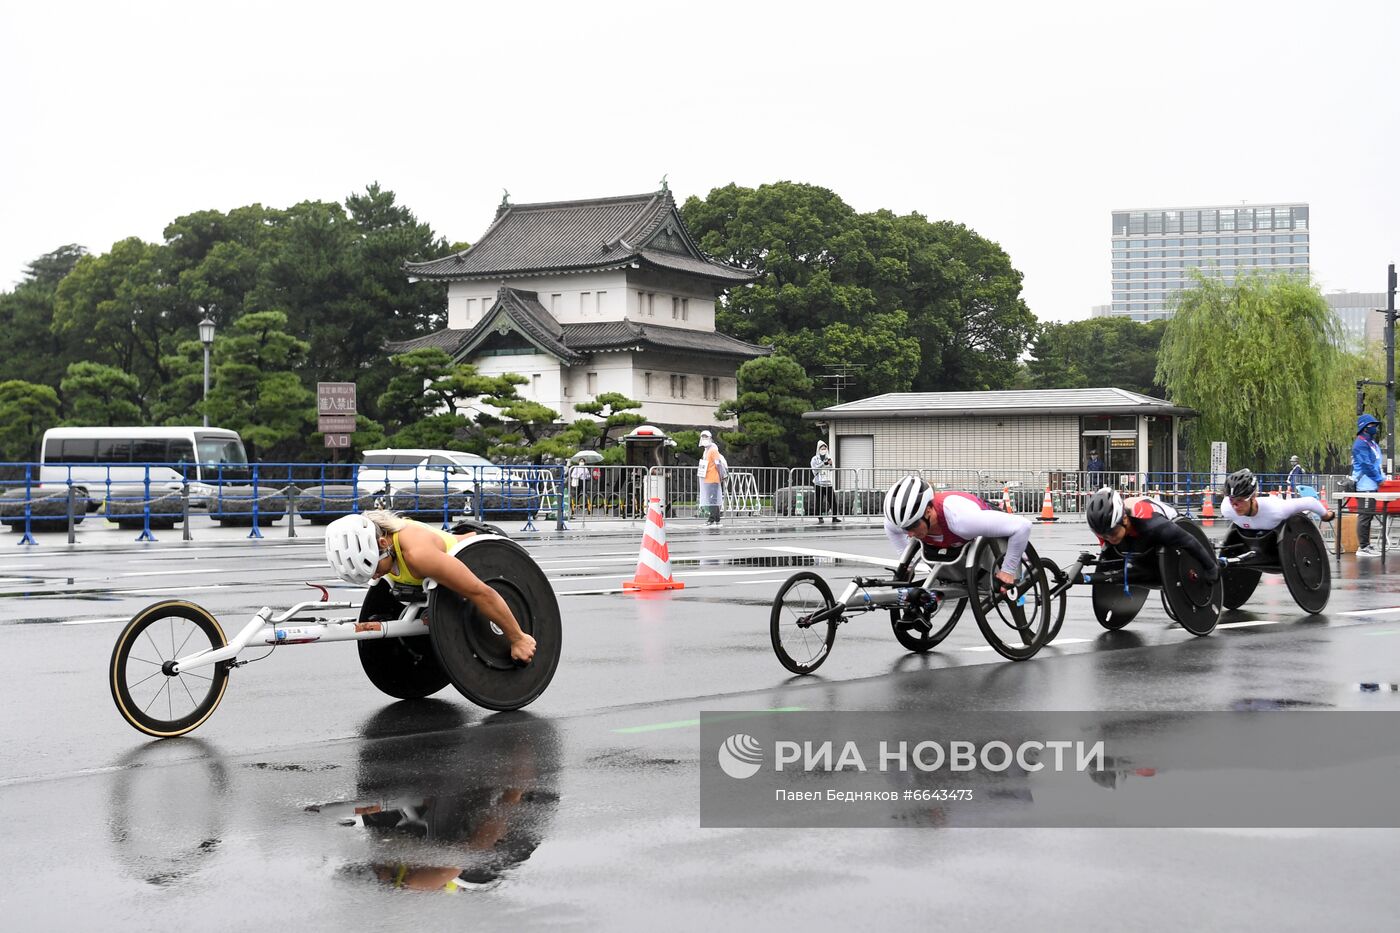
711	471
1366	472
1095	468
579	478
1295	476
823	471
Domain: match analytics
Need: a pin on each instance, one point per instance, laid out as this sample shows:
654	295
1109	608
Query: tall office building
1153	249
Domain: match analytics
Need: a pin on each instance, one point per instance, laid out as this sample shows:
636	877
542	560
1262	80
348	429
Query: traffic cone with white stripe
1047	507
654	561
1207	510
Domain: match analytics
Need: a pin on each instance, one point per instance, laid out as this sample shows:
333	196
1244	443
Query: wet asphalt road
583	810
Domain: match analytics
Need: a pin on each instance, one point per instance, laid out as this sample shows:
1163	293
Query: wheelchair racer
1253	515
1139	524
914	512
363	548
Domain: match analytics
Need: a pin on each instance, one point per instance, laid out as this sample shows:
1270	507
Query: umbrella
587	456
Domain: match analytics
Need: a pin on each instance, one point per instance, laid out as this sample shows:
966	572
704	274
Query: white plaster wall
991	442
551	383
468	301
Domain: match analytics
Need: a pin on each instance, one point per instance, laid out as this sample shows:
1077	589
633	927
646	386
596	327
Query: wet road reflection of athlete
362	548
1140	524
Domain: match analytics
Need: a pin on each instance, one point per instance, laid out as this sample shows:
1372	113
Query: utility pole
1390	368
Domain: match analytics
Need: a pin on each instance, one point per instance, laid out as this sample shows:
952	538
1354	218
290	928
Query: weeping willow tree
1262	361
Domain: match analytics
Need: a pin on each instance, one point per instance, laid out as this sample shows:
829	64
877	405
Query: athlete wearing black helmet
1140	523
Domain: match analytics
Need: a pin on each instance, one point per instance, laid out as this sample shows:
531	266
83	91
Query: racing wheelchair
170	666
1120	584
1294	549
1014	620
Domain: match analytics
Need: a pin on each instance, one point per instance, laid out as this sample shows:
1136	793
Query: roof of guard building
1007	402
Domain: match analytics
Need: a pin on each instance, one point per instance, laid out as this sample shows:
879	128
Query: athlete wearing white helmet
1243	507
362	548
947	519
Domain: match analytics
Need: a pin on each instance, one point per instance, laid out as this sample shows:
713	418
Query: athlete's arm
422	551
898	539
968	520
1160	531
1279	511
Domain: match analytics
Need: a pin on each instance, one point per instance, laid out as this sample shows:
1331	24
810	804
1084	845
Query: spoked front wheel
153	701
803	622
1015	628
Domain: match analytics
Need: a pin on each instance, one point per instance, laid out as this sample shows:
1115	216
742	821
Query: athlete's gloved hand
922	599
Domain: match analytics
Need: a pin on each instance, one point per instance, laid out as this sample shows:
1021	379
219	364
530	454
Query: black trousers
1366	513
826	500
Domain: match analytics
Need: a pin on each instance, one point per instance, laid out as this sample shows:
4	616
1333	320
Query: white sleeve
1279	510
968	520
898	539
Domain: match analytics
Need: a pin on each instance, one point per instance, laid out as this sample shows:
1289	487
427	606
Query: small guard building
1054	430
587	297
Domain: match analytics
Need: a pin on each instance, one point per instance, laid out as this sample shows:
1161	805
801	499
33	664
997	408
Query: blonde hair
387	522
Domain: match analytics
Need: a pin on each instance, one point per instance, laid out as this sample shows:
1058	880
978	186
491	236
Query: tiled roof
569	342
576	236
625	334
1037	401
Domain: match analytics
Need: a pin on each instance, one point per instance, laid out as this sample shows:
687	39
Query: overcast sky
1029	122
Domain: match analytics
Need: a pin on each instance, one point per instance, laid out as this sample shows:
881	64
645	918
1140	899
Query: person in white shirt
822	470
948	519
1248	512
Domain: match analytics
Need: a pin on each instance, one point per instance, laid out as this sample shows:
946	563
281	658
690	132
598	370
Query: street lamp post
206	337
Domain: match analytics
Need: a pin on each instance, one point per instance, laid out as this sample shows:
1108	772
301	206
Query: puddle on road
787	560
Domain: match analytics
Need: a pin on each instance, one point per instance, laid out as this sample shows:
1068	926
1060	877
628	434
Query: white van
99	462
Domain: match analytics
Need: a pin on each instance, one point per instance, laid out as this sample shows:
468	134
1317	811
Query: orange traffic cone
1047	508
1208	510
654	561
1006	498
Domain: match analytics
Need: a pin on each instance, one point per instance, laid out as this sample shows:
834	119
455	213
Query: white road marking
1058	641
1372	612
93	621
1248	624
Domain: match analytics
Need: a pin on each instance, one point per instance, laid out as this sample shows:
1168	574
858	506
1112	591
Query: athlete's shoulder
1142	509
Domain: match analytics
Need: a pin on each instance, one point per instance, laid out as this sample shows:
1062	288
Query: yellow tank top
404	576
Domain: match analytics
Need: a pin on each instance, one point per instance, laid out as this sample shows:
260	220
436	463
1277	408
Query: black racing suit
1149	528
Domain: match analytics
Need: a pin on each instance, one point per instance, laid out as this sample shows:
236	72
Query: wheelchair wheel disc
1238	585
1306	567
1195	603
1115	608
150	700
473	650
405	668
801	644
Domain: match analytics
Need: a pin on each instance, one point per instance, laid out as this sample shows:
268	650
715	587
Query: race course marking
838	555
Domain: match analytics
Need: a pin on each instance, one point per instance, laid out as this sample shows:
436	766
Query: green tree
27	410
31	350
614	410
774	392
256	391
94	394
1259	360
1103	351
820	264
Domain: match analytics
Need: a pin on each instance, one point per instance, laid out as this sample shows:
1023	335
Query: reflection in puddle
451	811
788	560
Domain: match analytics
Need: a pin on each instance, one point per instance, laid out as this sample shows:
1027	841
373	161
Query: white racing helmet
907	501
352	547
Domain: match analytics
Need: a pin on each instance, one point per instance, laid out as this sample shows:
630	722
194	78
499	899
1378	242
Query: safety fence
160	496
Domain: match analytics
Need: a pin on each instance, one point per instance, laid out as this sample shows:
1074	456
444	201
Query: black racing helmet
1241	484
1104	511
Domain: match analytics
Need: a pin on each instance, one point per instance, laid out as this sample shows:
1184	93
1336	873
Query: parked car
427	470
488	489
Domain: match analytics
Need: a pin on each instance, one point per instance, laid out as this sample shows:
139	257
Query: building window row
1210	241
1210	221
